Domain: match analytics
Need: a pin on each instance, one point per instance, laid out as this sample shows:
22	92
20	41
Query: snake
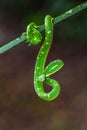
42	73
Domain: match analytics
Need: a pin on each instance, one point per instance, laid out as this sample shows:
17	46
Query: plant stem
59	18
12	44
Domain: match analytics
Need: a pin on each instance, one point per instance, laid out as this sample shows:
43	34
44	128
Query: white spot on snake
34	82
49	32
35	38
38	94
38	88
47	67
35	72
42	52
38	68
48	95
44	94
38	57
47	43
46	38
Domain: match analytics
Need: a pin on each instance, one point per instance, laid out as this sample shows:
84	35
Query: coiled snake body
42	74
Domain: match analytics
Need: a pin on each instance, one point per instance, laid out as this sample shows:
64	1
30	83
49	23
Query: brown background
20	108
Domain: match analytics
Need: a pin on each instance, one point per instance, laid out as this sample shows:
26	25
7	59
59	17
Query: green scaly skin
41	74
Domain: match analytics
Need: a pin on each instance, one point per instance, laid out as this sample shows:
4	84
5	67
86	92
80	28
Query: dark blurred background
20	108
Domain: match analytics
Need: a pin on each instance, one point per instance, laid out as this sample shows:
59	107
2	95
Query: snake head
33	34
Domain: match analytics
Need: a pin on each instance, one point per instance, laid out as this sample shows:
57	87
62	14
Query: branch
58	19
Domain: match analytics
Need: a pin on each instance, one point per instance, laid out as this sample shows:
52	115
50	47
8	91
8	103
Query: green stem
12	44
59	18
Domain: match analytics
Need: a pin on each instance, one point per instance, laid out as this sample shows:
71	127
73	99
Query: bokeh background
20	108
